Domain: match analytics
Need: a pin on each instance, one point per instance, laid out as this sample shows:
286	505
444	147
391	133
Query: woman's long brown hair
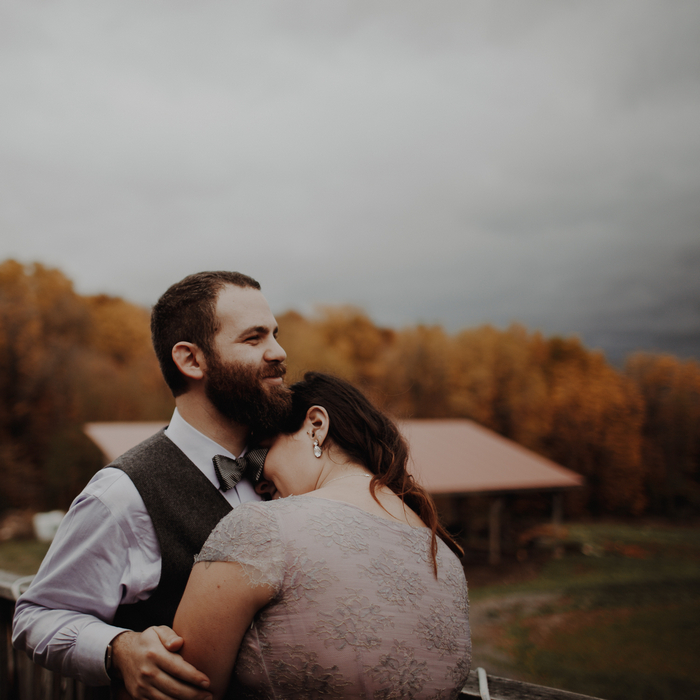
368	437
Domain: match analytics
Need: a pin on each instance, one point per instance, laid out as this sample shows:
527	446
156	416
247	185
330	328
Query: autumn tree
559	399
41	318
498	380
71	359
553	396
122	380
68	359
671	429
340	340
416	373
596	428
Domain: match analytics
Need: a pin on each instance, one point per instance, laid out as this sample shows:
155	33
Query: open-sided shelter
451	458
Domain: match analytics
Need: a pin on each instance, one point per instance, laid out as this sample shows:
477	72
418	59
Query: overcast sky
438	162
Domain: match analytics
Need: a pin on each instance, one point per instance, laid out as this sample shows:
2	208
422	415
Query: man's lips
273	380
275	376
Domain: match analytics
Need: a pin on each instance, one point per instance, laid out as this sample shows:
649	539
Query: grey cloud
446	162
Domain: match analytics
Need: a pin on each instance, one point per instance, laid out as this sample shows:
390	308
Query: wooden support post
495	531
557	509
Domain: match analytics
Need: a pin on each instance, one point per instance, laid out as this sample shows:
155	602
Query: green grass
624	624
650	652
22	556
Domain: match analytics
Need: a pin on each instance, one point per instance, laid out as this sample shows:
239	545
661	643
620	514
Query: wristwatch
108	662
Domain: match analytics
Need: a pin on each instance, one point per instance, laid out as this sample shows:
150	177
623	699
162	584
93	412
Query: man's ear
189	360
318	422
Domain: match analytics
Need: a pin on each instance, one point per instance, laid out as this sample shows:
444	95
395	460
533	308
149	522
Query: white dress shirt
105	554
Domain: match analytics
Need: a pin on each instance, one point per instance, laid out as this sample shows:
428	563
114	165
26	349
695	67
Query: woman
345	587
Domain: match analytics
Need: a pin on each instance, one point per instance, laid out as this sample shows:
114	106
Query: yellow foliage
670	390
634	435
119	329
68	359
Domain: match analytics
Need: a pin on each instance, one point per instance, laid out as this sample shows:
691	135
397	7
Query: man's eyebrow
264	330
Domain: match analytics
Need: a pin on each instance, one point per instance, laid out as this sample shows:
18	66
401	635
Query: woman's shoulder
250	524
258	516
249	530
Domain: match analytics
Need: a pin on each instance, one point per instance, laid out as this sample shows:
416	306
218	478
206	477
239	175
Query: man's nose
275	352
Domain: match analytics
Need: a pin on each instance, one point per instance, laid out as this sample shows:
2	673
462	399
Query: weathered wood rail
21	679
508	689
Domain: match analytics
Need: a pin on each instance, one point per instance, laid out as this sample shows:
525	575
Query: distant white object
46	524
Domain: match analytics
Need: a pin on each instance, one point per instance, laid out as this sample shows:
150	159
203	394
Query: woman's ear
318	423
189	360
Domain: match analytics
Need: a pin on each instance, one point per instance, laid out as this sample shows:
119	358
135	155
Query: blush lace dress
357	611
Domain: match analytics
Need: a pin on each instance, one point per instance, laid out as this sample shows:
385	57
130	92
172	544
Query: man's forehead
243	307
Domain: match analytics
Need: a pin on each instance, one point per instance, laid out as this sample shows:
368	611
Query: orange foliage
68	359
41	318
671	433
500	382
416	373
71	359
118	329
551	395
342	341
596	431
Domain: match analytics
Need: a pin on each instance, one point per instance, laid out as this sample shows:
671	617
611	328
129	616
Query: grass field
22	556
620	623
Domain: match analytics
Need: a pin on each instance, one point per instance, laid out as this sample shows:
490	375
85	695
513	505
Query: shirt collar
197	447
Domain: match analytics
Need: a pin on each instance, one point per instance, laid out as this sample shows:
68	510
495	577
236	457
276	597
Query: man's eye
252	339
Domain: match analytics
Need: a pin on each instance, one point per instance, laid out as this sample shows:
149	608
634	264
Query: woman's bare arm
216	609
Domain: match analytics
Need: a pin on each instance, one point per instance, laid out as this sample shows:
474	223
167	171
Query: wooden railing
21	679
479	685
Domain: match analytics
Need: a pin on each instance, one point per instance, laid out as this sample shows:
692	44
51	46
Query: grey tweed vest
184	507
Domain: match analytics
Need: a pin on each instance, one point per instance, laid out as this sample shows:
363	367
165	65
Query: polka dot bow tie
230	471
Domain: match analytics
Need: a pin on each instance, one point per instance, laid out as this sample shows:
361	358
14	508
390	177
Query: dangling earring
317	449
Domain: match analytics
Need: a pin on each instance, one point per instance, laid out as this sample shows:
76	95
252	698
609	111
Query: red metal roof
460	456
115	439
447	456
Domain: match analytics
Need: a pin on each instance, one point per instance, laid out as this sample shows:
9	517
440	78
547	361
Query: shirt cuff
91	647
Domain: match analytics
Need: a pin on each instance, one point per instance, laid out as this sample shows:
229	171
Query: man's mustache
277	371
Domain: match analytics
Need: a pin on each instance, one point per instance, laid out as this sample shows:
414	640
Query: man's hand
152	669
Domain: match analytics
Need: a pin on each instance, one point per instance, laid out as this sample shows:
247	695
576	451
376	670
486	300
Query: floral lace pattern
357	612
396	583
307	577
455	581
417	541
250	537
459	673
441	629
299	675
355	621
350	533
399	674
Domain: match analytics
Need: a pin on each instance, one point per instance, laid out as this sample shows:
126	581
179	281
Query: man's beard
238	392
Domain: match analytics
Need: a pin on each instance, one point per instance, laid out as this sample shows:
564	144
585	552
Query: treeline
70	359
67	359
634	434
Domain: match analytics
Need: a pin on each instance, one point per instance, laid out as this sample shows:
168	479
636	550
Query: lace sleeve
248	535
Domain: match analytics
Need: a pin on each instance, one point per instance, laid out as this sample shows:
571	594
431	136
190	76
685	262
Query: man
101	605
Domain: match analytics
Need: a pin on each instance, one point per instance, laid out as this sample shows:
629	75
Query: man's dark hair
187	313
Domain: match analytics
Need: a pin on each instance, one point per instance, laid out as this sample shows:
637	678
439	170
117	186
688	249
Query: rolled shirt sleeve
105	554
